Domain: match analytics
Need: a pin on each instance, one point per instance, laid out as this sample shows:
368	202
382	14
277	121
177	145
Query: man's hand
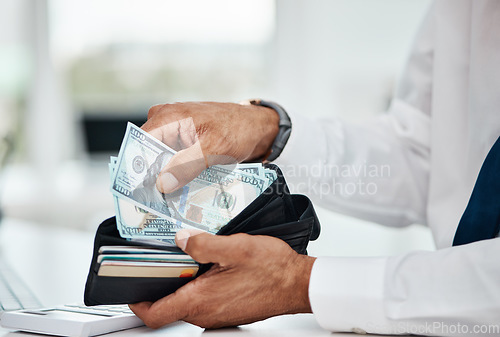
253	278
207	134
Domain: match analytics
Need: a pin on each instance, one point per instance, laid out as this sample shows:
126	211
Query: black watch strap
285	127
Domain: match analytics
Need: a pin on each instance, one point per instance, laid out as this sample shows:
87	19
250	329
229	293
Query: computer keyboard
21	310
104	310
71	320
14	294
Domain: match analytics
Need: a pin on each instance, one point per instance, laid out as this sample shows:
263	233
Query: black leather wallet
275	212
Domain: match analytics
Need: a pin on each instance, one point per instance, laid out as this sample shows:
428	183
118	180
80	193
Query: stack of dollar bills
207	203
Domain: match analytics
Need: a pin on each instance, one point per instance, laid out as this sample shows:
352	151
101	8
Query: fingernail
181	238
167	182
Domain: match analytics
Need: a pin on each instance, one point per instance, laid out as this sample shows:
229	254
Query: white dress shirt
416	164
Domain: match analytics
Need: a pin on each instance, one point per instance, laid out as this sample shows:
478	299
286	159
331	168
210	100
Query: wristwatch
285	127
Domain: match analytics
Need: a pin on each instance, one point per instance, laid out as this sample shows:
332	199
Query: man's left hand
253	278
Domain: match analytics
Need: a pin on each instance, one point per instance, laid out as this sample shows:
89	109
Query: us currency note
252	168
257	169
135	223
208	202
271	176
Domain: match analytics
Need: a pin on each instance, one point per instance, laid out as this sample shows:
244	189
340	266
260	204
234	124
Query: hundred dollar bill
256	168
271	176
208	202
135	223
252	168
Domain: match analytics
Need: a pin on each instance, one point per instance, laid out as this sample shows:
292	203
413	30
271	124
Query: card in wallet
276	212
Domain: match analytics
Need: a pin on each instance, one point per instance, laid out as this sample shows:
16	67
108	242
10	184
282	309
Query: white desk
54	263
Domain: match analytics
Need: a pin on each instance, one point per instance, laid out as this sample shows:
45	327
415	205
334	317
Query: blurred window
120	57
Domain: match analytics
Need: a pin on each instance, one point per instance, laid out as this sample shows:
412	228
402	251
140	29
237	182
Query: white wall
342	56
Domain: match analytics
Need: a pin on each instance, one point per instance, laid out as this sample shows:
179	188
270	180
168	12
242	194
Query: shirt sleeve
449	292
376	170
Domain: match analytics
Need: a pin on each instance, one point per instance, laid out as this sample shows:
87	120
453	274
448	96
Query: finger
139	308
155	109
164	311
187	132
183	235
166	133
208	248
184	166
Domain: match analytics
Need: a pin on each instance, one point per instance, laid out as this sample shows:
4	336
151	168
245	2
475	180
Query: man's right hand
209	133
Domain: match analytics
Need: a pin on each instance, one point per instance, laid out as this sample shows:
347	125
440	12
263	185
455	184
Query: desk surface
54	262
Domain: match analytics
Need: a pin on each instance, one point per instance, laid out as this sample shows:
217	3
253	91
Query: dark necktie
481	219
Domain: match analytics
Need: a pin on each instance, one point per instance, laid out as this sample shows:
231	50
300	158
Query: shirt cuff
346	294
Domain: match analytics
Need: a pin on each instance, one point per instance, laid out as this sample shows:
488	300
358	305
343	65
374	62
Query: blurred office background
73	72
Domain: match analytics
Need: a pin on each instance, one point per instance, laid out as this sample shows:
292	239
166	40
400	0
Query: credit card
146	269
136	250
145	258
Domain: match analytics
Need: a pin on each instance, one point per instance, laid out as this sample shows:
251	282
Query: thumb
184	166
204	247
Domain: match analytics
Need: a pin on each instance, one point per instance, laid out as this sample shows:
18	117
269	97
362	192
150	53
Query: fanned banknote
136	223
209	202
